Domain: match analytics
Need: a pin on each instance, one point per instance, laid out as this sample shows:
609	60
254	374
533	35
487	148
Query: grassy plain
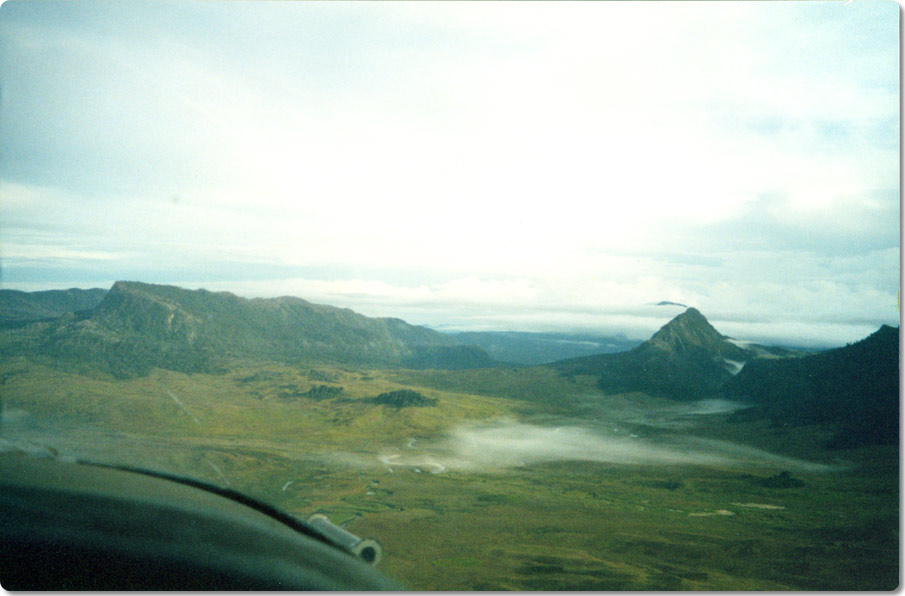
555	523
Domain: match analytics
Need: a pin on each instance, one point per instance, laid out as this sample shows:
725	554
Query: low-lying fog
507	444
601	436
510	443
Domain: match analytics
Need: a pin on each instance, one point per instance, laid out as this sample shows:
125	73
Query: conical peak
688	330
691	319
692	313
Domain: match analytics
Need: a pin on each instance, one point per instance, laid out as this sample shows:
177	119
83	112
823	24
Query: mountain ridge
138	326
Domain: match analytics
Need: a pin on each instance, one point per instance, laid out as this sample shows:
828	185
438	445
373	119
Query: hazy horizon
487	166
636	327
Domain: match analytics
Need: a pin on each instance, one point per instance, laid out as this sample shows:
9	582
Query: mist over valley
504	444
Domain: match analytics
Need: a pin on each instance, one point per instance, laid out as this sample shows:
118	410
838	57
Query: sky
488	166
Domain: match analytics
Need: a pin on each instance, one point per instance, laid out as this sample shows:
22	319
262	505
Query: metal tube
367	549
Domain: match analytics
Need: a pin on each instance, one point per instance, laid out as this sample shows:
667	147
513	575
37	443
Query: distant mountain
686	359
854	388
138	326
19	308
458	357
523	348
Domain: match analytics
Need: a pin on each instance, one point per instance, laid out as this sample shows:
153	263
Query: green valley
495	478
565	524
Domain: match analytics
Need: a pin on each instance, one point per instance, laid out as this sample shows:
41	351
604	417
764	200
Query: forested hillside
856	387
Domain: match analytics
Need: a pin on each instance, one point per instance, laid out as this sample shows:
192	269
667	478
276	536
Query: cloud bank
525	165
505	444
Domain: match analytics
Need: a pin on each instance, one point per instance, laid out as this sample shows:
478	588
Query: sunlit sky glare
465	165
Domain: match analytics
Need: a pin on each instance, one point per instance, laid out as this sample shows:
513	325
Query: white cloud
550	161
